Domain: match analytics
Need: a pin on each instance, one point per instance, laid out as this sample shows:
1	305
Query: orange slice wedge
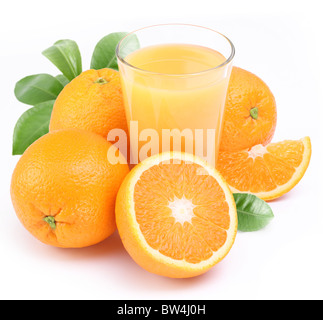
266	171
176	215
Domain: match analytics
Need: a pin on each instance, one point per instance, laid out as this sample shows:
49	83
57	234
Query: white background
281	42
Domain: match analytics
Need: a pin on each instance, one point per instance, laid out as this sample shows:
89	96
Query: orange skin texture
85	104
240	130
66	175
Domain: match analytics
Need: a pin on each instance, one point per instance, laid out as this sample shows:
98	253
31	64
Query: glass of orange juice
174	88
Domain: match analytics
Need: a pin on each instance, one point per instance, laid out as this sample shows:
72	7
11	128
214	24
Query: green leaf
62	79
253	213
37	88
104	55
66	56
33	124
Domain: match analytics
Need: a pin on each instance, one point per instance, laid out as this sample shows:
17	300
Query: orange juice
177	86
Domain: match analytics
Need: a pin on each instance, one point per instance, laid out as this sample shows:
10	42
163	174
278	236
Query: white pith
182	210
257	151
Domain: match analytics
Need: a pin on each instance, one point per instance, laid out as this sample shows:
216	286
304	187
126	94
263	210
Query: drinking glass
174	82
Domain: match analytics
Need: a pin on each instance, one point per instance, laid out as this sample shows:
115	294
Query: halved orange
176	215
266	171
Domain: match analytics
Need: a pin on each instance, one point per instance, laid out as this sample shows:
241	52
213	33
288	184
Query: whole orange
250	115
93	102
64	189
